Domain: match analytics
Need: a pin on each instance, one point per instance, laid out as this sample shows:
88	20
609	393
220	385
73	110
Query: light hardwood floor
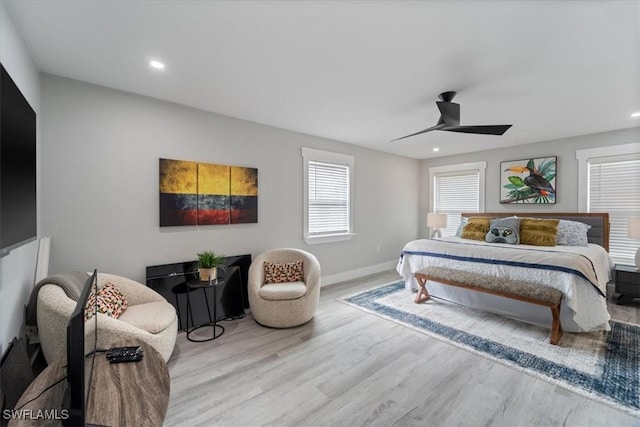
351	368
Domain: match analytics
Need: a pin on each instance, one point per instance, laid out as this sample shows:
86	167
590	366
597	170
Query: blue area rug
604	366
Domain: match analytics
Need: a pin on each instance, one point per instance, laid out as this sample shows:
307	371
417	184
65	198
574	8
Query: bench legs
423	293
556	327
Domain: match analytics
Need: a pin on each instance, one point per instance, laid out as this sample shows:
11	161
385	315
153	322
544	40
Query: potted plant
208	263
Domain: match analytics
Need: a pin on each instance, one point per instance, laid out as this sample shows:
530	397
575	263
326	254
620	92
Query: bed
579	272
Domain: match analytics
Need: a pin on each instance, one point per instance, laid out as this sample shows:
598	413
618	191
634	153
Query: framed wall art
178	192
193	193
530	180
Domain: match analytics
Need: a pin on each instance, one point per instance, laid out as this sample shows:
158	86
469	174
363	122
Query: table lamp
436	221
634	233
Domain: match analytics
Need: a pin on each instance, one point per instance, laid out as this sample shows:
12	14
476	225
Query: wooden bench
517	290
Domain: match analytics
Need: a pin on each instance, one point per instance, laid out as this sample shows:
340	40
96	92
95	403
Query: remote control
123	351
136	357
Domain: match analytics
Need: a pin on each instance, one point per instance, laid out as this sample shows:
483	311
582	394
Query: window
328	215
609	178
457	189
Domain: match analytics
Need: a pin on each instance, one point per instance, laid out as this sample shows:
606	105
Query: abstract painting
244	195
213	194
178	193
530	180
194	193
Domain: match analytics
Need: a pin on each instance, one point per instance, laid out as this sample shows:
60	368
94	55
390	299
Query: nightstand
627	279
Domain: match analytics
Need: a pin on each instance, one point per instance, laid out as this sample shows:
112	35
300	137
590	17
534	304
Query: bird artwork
530	183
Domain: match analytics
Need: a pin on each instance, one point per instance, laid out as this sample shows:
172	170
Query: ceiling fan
450	120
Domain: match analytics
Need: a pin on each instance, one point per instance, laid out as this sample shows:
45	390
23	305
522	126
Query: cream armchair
284	305
149	318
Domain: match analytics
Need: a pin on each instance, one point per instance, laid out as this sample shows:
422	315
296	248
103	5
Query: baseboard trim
360	272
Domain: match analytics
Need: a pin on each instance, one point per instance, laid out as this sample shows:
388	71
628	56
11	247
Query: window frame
454	169
315	155
585	157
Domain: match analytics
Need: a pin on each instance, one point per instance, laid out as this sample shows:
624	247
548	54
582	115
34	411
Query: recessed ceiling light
636	114
436	149
157	64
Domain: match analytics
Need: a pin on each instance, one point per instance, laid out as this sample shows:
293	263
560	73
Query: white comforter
581	273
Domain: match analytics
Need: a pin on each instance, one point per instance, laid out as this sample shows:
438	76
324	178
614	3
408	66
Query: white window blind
614	187
328	198
454	193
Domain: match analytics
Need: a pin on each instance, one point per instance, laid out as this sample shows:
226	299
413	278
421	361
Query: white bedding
583	281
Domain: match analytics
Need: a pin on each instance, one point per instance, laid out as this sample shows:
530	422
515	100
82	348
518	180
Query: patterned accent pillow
476	228
538	232
110	301
504	230
285	272
572	233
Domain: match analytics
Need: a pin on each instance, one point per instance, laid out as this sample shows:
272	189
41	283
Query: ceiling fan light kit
450	120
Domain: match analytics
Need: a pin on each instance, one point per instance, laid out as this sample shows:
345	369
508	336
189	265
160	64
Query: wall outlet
378	249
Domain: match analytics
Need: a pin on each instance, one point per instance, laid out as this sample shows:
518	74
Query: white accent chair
284	305
149	318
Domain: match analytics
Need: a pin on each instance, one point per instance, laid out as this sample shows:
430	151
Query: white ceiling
362	72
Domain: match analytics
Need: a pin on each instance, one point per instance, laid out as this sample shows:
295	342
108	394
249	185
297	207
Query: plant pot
207	274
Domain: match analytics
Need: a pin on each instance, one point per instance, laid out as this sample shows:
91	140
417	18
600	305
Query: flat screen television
77	390
17	167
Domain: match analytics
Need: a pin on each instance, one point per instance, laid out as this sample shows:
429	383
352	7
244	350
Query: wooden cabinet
121	394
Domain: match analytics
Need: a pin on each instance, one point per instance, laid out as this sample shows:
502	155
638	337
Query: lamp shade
436	220
634	228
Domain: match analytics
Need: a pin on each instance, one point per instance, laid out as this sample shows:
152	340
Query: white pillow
572	233
463	221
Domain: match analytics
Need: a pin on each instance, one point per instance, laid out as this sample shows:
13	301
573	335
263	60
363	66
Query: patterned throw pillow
285	272
110	301
504	230
572	233
476	228
538	232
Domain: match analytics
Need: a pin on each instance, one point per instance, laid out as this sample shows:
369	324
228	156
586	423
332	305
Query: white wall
567	170
100	185
17	269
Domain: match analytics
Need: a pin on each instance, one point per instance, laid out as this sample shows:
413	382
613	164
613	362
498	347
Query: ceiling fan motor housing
447	96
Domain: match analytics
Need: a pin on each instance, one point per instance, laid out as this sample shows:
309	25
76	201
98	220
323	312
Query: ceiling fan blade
436	127
485	130
449	113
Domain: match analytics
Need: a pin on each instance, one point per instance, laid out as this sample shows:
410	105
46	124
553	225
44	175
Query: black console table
170	281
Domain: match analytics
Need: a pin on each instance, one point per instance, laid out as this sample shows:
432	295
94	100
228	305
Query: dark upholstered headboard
599	222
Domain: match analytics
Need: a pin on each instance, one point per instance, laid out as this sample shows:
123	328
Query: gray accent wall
567	170
100	185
